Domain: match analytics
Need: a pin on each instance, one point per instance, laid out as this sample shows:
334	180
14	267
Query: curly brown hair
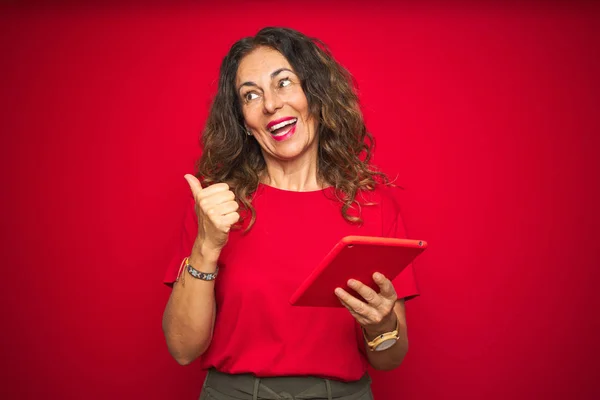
345	146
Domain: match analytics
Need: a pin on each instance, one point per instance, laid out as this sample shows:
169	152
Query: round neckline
264	186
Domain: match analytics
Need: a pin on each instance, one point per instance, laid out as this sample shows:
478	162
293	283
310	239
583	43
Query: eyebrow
273	75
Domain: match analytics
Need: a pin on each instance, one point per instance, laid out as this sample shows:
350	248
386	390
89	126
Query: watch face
386	344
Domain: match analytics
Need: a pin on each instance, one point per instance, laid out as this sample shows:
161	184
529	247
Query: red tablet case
356	257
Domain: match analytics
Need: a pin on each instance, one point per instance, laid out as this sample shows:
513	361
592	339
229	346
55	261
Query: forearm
390	358
189	316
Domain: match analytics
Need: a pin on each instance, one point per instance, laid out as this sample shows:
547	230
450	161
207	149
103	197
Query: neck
299	175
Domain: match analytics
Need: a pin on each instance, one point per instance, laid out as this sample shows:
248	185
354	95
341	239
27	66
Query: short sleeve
405	283
189	232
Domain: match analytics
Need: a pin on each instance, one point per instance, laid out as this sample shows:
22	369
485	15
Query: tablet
356	257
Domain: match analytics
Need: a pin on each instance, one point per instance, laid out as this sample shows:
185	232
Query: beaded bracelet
205	276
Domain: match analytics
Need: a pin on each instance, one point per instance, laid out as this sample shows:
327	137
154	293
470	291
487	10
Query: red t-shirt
257	330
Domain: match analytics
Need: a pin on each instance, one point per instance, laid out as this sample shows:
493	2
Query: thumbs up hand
216	209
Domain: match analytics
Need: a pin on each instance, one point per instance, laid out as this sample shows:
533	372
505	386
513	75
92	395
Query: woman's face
275	108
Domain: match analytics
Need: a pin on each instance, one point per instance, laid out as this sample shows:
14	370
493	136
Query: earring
248	132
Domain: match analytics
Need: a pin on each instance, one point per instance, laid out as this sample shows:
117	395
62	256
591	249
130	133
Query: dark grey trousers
219	386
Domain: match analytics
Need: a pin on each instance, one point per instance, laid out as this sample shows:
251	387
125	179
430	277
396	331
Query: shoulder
384	196
381	206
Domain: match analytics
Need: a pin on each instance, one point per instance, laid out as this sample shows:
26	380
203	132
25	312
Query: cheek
250	115
300	103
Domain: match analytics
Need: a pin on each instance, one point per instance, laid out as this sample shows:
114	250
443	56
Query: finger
355	304
370	296
229	219
214	188
387	288
338	294
223	223
347	306
215	199
229	207
220	210
194	183
356	316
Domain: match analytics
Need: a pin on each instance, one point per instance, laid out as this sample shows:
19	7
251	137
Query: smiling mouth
283	128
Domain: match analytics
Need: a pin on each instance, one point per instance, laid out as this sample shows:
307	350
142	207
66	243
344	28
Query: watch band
384	337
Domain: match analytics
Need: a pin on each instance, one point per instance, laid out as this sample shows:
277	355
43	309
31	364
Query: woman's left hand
375	312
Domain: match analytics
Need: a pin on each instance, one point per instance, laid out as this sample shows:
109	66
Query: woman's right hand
216	209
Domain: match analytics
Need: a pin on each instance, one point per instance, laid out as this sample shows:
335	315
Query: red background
488	114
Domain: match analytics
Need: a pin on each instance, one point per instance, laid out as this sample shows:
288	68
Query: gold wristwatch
383	341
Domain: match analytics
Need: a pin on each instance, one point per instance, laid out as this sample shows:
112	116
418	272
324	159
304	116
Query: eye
285	82
250	96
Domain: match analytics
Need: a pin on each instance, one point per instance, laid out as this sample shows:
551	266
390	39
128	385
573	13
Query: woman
284	175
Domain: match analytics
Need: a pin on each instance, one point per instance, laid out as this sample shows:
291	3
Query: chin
291	151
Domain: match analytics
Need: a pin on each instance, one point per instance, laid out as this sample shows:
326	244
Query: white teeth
281	133
282	124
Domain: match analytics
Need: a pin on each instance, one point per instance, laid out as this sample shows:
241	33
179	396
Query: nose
272	102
